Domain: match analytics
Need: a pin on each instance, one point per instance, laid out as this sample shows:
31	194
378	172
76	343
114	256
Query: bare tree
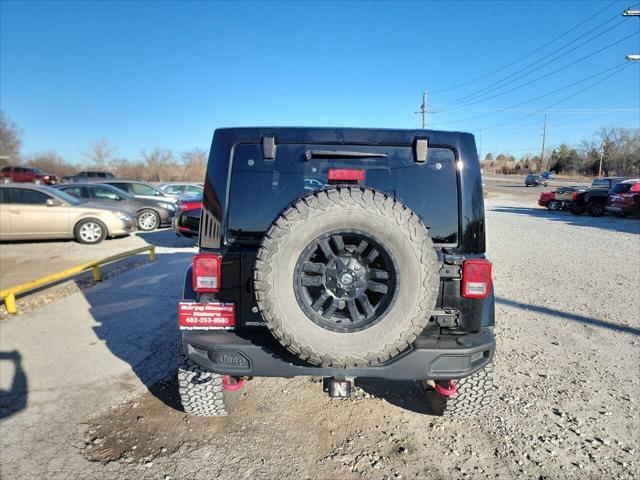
10	141
51	162
160	165
195	164
101	153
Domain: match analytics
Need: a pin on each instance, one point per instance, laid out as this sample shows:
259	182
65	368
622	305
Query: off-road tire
201	391
473	398
398	229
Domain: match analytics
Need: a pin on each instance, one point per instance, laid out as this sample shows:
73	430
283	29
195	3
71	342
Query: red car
624	198
27	175
189	203
561	199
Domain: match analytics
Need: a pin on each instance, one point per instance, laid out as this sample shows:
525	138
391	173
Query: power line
537	78
563	99
509	80
618	66
522	57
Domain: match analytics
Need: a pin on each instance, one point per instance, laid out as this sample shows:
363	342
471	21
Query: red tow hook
232	387
449	390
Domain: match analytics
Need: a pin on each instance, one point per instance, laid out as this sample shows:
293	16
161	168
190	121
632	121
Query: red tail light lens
207	269
574	195
476	278
346	175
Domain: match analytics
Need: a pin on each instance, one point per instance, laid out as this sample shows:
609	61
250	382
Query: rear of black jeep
340	253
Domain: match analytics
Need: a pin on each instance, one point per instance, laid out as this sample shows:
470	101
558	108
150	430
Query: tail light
207	272
476	278
345	175
574	195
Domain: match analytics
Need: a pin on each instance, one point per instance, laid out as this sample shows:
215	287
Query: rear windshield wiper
310	154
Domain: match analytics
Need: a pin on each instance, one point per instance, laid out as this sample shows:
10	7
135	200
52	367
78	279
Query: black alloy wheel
345	280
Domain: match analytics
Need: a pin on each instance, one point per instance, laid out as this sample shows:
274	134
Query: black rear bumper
443	358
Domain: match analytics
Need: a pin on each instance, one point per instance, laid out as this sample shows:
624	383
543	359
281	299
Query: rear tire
553	206
90	231
596	209
201	391
473	398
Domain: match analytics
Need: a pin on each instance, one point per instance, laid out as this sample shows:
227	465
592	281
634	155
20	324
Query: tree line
158	164
617	148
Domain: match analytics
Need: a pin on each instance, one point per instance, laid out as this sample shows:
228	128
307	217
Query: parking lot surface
87	390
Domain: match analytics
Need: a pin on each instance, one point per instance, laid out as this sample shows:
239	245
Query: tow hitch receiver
337	388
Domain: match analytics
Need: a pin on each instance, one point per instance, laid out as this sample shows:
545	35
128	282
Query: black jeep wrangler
339	253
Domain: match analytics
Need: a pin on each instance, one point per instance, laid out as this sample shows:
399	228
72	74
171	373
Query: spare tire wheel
346	277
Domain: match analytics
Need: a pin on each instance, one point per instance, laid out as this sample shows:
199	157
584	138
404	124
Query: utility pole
601	155
632	13
423	109
544	138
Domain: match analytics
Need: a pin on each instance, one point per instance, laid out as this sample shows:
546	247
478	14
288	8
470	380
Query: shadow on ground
625	225
14	399
167	238
136	316
404	394
594	322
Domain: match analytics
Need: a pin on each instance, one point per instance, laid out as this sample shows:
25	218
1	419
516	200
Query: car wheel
148	220
37	181
553	206
6	180
596	209
90	231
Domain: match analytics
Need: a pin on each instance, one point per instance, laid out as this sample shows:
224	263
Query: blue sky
166	74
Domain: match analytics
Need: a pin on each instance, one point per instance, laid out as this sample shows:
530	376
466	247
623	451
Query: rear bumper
444	358
620	208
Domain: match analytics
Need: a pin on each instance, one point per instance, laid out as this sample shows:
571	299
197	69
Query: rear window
600	183
261	189
622	187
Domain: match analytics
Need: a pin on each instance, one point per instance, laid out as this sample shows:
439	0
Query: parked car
140	189
593	200
92	176
534	181
380	276
31	212
560	199
182	188
187	222
188	203
27	175
149	214
624	198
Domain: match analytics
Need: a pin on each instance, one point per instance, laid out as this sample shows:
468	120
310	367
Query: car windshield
36	170
65	197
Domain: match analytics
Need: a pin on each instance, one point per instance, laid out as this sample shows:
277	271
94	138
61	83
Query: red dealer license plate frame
206	316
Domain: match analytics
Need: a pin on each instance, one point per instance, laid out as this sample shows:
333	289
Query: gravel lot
566	397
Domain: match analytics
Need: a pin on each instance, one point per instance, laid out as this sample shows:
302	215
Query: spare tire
346	277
